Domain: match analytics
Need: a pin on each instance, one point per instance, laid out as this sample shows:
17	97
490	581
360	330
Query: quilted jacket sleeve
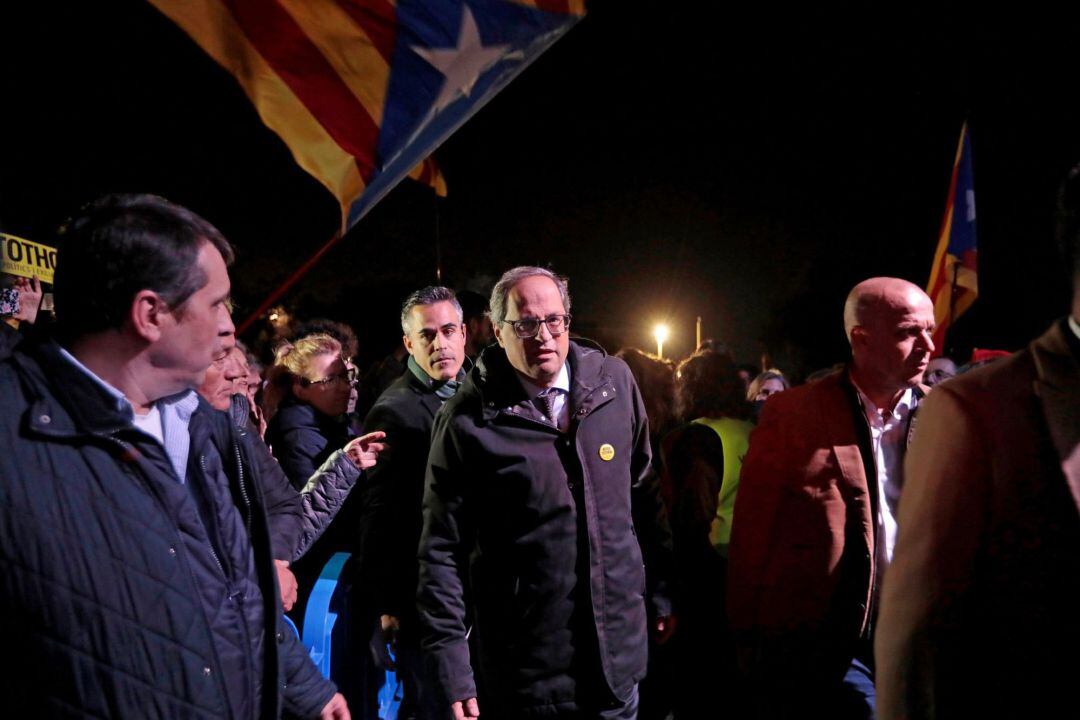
322	497
305	691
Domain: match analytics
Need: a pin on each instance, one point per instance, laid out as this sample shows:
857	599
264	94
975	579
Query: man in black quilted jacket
136	575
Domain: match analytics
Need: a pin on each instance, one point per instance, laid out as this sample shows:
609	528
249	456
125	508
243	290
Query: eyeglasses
530	327
349	377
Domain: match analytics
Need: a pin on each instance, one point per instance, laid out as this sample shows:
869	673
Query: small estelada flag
954	277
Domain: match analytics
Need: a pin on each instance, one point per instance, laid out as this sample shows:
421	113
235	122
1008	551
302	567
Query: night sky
745	164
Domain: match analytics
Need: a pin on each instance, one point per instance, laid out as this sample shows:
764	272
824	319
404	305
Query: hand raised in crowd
287	583
364	450
29	299
467	710
336	709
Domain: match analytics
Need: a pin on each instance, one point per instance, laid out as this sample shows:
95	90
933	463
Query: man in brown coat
815	516
980	610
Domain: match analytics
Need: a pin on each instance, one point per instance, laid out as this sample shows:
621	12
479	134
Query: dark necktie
546	403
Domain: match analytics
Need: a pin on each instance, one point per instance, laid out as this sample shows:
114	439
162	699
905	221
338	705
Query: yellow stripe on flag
211	25
347	48
940	288
428	173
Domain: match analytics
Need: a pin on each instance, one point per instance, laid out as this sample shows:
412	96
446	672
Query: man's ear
858	336
148	315
407	343
498	333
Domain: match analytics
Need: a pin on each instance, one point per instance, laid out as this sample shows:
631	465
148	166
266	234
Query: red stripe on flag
938	338
378	20
303	68
943	278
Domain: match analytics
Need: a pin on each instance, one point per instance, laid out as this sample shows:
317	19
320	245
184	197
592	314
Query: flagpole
438	244
289	282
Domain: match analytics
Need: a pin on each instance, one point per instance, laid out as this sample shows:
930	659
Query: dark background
748	165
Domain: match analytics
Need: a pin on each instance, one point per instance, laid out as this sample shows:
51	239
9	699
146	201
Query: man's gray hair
511	278
428	296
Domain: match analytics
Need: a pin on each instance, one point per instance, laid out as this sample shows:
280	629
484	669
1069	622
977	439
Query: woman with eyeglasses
309	424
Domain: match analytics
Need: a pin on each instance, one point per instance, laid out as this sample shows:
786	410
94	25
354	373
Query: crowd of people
536	528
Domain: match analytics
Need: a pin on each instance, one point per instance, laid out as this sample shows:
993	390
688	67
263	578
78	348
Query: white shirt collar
1074	326
562	382
182	403
873	412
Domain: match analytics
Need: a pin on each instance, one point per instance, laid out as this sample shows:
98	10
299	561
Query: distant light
279	317
660	332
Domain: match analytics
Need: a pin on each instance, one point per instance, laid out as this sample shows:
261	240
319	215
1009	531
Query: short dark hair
714	345
343	333
428	296
708	385
119	245
473	305
1068	224
655	378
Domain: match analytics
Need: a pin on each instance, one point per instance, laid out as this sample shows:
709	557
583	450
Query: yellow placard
26	258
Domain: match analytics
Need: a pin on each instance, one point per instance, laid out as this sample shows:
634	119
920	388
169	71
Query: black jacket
533	527
9	338
388	538
303	438
124	593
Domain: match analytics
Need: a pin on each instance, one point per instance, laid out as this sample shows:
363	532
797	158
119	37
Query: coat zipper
243	489
210	542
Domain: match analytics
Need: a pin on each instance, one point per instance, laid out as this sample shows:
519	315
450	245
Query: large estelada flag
954	277
362	91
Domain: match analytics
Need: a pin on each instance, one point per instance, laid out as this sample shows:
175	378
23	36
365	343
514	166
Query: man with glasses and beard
527	519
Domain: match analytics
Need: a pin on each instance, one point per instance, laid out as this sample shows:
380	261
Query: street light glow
660	332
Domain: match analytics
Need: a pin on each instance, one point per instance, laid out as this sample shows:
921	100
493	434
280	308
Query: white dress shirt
561	406
888	435
167	422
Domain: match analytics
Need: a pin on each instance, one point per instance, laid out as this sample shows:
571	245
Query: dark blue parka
124	593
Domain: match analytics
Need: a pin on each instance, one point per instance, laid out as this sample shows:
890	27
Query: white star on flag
463	65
